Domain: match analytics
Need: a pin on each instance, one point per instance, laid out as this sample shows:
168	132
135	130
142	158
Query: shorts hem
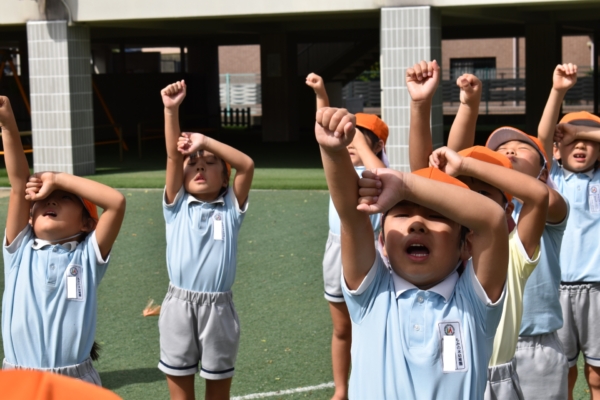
177	371
594	362
334	298
217	375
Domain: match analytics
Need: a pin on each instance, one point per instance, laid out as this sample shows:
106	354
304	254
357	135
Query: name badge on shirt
217	227
75	283
594	198
453	351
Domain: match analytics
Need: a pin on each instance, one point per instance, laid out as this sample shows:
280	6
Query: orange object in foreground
36	385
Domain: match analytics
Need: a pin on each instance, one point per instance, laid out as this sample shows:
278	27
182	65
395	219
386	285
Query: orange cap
373	123
36	385
437	175
582	118
91	208
508	133
489	156
228	166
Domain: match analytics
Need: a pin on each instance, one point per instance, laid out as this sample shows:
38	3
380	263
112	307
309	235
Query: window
483	67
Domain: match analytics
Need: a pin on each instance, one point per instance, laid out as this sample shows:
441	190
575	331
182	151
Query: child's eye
437	216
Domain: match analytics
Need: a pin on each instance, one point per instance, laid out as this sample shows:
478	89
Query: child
491	174
575	173
420	330
366	151
56	251
541	364
198	322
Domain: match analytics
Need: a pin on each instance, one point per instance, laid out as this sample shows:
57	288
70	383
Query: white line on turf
288	391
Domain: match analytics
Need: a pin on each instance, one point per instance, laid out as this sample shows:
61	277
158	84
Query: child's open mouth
417	252
200	178
579	157
49	214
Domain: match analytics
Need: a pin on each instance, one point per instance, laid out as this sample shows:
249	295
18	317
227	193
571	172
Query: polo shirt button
55	249
417	328
51	266
420	299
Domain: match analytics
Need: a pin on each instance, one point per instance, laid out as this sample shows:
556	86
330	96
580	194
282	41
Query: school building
83	71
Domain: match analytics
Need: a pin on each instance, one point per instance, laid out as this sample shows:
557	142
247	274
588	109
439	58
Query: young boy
56	251
366	151
419	329
198	322
575	173
491	174
541	363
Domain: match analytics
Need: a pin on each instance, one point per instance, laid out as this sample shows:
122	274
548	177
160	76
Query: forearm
342	182
17	167
103	196
550	118
238	160
587	133
369	159
322	100
420	144
172	133
462	131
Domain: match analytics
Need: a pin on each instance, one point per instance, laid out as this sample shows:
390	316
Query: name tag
75	283
217	227
594	198
453	352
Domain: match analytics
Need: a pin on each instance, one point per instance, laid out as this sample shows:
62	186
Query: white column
61	97
408	35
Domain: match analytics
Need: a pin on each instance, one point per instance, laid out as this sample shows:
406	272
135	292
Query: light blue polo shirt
334	218
580	255
398	332
49	302
202	241
541	308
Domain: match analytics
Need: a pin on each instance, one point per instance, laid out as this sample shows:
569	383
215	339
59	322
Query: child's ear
89	225
378	147
544	175
465	250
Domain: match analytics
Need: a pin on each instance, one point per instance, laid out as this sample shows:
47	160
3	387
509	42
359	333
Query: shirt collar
41	243
219	200
567	174
444	288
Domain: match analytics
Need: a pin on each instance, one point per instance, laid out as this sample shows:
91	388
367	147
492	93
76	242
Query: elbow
120	203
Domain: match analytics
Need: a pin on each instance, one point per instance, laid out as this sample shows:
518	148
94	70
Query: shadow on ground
115	379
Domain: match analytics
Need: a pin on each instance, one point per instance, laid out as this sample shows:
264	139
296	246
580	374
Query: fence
236	117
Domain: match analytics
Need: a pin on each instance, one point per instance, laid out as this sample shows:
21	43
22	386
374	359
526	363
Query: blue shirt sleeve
13	253
171	210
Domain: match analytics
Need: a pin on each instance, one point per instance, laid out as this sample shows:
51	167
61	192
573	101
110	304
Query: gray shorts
503	382
332	269
542	367
198	328
580	305
84	371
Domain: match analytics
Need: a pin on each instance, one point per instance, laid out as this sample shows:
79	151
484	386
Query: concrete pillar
203	65
543	51
408	35
279	70
61	97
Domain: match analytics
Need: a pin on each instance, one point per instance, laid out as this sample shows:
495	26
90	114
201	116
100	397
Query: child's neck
61	240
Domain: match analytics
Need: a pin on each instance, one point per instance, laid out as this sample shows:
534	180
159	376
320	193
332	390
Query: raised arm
17	170
422	81
532	192
567	133
111	201
243	165
316	82
366	154
334	130
485	218
564	78
172	97
462	131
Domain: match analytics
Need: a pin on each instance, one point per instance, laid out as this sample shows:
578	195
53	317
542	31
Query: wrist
559	91
421	104
171	111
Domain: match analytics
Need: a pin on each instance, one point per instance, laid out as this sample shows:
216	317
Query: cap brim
503	135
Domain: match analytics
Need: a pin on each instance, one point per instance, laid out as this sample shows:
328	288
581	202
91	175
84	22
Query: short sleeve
520	259
14	252
361	300
94	256
170	210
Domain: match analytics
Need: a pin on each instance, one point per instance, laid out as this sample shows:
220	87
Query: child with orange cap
199	327
367	151
423	312
56	252
575	173
540	361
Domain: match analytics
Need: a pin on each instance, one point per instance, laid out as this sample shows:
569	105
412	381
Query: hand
190	142
334	128
6	112
564	77
316	82
565	133
470	89
40	185
447	160
173	94
390	184
422	80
